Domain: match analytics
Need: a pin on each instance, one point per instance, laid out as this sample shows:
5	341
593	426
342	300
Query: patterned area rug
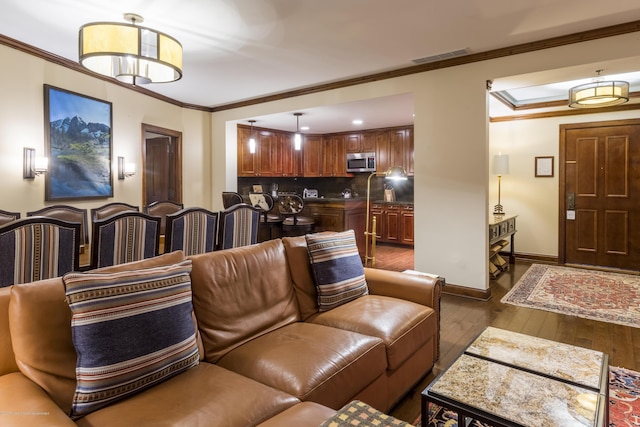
608	297
624	403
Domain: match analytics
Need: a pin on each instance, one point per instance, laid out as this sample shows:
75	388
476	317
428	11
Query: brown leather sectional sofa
267	356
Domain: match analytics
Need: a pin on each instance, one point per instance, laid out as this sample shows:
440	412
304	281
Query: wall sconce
33	166
125	170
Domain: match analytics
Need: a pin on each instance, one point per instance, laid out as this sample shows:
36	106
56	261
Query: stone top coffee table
514	380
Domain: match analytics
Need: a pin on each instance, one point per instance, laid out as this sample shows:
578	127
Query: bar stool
294	224
270	222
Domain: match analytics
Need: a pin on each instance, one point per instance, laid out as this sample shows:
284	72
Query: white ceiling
236	50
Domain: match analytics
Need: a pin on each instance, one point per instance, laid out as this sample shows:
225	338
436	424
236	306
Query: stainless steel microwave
361	162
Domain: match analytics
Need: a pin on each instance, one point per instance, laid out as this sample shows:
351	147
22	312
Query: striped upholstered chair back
191	230
67	213
6	217
238	226
124	237
36	248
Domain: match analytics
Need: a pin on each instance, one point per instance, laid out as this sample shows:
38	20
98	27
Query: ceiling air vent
441	56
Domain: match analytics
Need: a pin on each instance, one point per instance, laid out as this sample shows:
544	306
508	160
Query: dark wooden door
600	190
162	178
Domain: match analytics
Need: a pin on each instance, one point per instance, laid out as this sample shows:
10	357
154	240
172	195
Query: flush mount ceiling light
599	93
130	53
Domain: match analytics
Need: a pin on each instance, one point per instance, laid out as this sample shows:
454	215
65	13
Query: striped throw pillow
131	330
337	268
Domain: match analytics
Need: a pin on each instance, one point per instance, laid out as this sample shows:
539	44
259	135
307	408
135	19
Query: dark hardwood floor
462	319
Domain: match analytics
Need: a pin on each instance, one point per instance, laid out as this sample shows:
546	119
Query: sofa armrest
419	289
24	403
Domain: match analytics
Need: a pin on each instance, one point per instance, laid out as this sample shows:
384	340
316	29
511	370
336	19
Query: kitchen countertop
354	199
335	199
397	202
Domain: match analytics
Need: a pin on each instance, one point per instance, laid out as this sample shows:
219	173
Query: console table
501	227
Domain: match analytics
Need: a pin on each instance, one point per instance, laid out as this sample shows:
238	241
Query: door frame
562	232
176	137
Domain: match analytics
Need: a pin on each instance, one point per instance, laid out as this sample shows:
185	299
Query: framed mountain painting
78	143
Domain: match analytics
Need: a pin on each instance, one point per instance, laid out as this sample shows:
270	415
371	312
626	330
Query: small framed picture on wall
544	166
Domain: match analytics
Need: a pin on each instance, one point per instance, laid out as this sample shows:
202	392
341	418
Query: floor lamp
500	167
395	173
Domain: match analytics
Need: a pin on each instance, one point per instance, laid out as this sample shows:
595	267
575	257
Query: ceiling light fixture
252	140
297	138
130	53
599	93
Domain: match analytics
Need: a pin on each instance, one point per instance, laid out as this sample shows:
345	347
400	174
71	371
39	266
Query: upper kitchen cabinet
312	155
289	162
247	161
394	147
274	154
361	142
335	156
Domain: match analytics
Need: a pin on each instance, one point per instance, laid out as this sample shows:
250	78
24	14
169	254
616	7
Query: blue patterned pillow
131	330
337	268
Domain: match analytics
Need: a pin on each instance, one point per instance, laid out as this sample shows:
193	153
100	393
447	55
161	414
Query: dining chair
231	198
238	226
191	230
36	248
124	237
7	217
109	209
162	208
67	213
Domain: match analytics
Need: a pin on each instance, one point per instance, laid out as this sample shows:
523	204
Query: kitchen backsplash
332	187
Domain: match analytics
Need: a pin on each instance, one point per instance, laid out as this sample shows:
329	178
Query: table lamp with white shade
500	167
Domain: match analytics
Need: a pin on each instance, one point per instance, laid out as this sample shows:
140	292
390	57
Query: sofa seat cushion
403	326
304	414
312	362
24	403
206	395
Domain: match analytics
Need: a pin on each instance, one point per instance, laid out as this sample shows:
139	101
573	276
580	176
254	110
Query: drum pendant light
599	93
130	53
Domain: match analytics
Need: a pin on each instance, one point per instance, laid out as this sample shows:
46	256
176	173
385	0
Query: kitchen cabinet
394	147
406	225
312	155
394	222
291	159
321	156
362	142
334	156
338	215
269	157
247	161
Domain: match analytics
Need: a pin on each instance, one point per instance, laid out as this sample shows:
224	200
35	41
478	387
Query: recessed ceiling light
357	121
304	127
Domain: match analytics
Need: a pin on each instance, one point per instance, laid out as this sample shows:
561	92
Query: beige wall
535	200
22	125
452	151
454	192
